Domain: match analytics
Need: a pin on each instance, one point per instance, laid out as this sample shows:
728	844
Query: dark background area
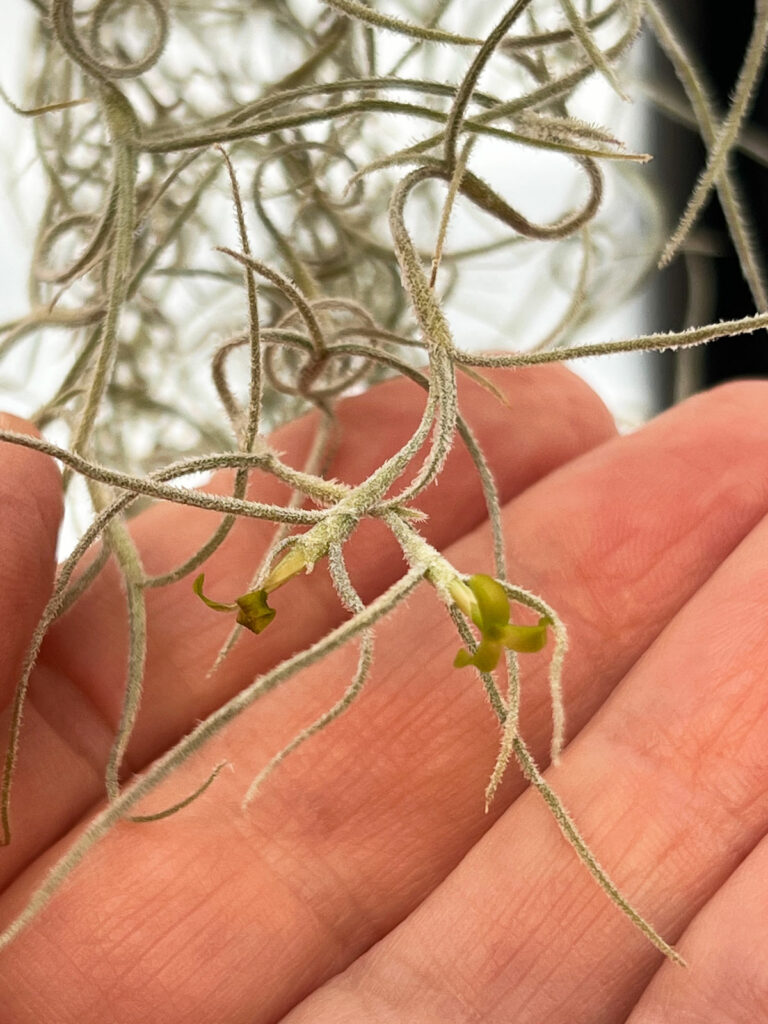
717	34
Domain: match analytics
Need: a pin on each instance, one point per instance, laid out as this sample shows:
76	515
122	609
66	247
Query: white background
623	381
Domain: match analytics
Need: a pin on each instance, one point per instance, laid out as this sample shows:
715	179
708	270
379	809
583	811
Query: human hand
365	883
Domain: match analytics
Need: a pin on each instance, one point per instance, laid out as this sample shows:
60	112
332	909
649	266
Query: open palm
365	883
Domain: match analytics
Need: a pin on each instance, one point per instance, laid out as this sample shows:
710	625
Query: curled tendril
63	18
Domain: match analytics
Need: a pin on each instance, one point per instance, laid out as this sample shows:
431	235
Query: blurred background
708	284
503	304
628	383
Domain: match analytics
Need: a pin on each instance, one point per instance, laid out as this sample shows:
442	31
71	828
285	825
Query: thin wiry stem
445	216
45	108
725	138
181	804
538	40
255	384
733	207
126	556
122	123
509	729
582	32
63	19
660	342
752	140
291	291
180	495
574	837
359	11
453	125
351	600
538	604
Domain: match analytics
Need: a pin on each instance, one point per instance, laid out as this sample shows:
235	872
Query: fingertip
30	477
552	417
9	421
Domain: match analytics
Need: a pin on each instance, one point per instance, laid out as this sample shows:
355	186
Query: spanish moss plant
151	118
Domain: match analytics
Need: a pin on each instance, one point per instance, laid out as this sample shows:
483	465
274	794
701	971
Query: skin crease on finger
357	839
726	943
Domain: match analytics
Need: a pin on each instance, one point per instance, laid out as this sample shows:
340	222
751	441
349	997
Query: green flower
485	601
253	612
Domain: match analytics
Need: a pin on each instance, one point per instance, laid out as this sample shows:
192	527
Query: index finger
30	511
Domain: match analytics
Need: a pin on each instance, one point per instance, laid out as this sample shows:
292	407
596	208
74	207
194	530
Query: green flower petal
217	606
485	658
526	639
492	601
255	614
462	659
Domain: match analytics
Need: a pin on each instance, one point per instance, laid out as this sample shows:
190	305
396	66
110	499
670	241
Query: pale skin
365	884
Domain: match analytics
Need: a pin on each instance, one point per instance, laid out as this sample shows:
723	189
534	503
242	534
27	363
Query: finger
184	635
727	976
668	785
30	512
354	831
